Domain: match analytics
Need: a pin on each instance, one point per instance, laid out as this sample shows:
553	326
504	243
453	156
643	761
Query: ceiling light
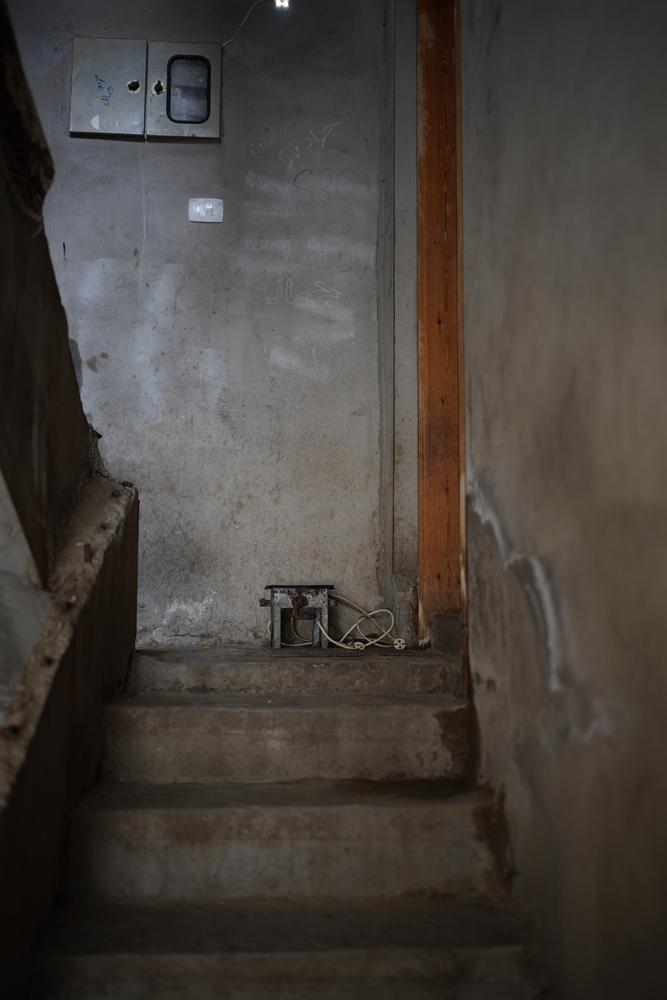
282	3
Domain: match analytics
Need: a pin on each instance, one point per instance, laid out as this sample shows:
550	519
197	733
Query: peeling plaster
185	620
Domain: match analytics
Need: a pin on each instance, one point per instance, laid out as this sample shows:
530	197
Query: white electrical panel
128	87
108	86
183	90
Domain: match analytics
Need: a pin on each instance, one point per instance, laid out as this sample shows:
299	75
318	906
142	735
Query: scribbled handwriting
323	293
284	291
319	292
289	148
105	88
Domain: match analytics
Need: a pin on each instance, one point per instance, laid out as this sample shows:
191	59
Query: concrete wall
565	226
405	416
233	369
44	444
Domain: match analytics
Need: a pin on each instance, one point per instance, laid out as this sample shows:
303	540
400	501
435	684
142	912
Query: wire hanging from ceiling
245	19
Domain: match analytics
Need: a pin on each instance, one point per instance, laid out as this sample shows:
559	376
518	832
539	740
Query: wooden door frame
441	443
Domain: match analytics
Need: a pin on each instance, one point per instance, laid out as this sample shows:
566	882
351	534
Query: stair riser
307	853
198	744
396	675
346	975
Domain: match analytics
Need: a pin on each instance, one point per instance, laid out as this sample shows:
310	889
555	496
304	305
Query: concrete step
347	841
196	738
409	950
244	670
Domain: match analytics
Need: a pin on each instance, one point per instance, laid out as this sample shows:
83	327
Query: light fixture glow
282	3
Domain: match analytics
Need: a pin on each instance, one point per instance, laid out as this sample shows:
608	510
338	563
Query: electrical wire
394	641
295	632
376	640
242	24
387	639
288	645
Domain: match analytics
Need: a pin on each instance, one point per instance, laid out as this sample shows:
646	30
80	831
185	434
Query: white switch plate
205	210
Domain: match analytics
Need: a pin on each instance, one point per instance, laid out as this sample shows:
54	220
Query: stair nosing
130	796
503	925
254	702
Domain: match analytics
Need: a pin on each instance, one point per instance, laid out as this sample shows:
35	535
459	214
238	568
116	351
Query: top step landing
252	671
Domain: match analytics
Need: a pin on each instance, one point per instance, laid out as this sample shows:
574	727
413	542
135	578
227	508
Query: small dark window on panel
188	90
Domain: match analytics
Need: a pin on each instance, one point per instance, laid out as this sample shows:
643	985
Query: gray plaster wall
405	549
233	369
565	235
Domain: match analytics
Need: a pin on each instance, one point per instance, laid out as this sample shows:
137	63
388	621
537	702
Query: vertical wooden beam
440	453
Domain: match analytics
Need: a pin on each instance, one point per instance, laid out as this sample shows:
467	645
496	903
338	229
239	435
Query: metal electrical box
183	90
108	86
127	87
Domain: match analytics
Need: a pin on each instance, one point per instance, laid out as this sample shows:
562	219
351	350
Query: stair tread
159	699
109	795
232	655
265	927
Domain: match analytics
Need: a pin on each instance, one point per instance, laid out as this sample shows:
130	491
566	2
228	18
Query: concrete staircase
281	826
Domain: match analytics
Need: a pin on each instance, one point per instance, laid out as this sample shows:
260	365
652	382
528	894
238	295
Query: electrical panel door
108	86
183	90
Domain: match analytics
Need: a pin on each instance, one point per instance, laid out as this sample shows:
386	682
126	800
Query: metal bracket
297	598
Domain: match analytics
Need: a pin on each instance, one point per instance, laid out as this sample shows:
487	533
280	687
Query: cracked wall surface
565	236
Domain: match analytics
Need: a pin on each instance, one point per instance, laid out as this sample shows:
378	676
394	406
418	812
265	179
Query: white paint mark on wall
274	245
605	721
330	322
583	717
289	362
532	572
540	590
266	184
297	145
142	254
323	292
283	292
184	619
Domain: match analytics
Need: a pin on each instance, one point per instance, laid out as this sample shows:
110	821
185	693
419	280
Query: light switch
205	210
